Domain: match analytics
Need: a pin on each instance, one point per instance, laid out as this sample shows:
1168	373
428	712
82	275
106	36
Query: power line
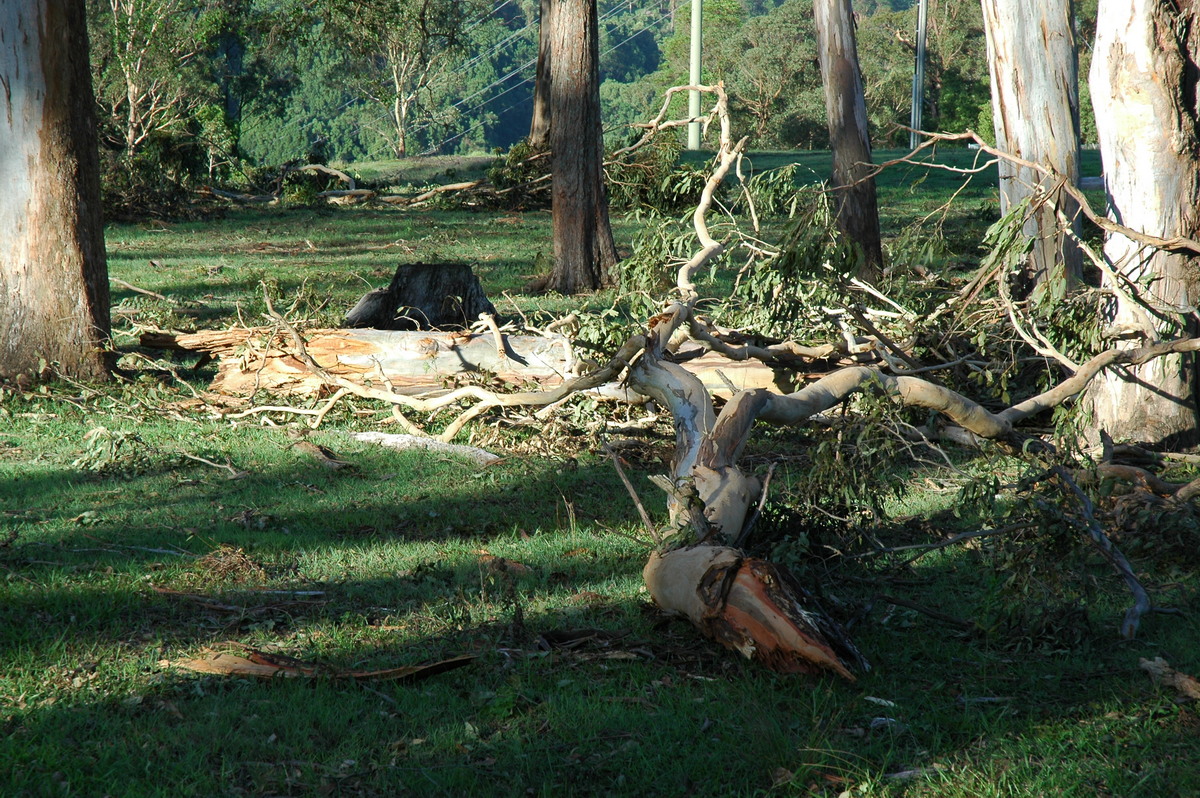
482	19
518	70
487	16
482	56
480	123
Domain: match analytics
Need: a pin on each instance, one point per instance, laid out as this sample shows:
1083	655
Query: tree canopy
198	85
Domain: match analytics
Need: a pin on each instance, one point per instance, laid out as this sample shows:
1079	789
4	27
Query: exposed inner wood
417	361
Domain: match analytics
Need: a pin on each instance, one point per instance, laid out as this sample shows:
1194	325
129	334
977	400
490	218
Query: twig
142	291
233	472
926	548
867	325
405	424
965	625
1041	345
754	516
641	508
319	416
1173	244
490	321
1141	601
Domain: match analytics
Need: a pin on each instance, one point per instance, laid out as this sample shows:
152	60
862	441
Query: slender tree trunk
1144	81
539	129
854	193
583	248
54	305
1035	103
400	104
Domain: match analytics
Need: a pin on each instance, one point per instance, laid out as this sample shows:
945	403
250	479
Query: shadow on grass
395	547
653	713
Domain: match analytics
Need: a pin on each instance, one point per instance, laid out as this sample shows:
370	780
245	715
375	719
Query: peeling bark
750	606
1035	104
852	181
262	359
54	303
1144	82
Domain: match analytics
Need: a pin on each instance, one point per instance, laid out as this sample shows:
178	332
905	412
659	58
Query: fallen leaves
1164	675
229	564
322	454
502	565
263	665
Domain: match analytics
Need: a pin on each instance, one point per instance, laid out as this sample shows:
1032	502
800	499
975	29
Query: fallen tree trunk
744	603
262	359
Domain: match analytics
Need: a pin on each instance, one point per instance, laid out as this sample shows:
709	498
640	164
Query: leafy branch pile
881	378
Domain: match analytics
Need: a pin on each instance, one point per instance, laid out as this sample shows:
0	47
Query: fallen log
414	361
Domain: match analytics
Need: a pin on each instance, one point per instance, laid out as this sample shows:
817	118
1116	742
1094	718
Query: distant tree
1143	81
401	49
1035	108
153	74
584	250
770	69
854	195
886	51
53	275
297	95
957	96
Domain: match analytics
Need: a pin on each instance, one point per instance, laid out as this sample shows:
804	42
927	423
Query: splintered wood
413	362
750	606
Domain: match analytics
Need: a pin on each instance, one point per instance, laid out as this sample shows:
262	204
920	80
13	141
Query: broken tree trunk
416	361
423	296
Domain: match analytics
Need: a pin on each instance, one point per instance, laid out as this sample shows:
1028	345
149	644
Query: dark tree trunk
1035	102
854	193
583	244
1144	77
539	129
54	304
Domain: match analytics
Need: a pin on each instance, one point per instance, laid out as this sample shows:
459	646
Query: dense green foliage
195	88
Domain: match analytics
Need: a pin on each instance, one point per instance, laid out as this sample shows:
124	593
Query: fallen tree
682	361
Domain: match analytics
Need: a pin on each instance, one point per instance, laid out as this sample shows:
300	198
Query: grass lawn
122	553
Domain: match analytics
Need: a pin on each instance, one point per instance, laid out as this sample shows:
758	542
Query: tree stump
423	296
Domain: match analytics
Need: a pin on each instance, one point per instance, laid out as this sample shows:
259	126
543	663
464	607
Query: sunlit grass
111	568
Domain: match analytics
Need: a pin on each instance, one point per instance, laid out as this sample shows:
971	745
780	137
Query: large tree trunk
54	306
1144	84
261	359
854	192
583	246
539	128
1035	104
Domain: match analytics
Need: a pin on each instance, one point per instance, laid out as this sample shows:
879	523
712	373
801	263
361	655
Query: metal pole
694	76
918	90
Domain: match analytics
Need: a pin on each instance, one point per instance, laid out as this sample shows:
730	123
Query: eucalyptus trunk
539	128
583	242
1144	80
854	191
1035	104
54	303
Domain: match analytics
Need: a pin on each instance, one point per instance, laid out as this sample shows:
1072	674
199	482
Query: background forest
192	89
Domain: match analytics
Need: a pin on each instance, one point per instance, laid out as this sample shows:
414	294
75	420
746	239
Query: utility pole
694	76
918	90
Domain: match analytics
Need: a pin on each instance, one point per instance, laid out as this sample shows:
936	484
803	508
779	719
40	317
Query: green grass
395	548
